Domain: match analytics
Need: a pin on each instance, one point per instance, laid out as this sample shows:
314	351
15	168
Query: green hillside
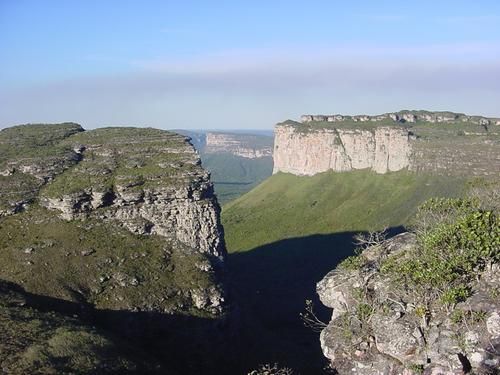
287	233
234	175
286	206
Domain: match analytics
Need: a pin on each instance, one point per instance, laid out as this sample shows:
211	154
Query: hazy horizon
225	65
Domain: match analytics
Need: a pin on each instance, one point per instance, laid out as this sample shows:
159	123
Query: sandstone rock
403	343
309	149
382	150
394	117
409	117
175	203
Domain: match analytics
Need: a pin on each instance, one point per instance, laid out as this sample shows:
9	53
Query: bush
456	241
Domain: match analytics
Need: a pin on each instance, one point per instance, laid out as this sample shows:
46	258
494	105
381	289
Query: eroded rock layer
382	149
376	328
244	145
433	142
122	218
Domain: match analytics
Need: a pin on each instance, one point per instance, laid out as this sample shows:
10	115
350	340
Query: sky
243	64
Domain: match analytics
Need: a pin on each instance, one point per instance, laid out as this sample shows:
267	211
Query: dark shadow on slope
270	285
163	343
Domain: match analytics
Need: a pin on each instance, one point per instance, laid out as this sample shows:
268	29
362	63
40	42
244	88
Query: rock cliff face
381	149
139	208
377	328
244	145
149	182
434	142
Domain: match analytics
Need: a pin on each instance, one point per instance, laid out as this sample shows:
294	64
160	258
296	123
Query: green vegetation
456	241
34	140
30	155
287	233
286	206
234	175
130	157
36	341
94	262
438	278
455	124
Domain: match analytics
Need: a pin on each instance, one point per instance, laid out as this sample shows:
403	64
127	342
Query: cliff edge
443	143
382	149
119	218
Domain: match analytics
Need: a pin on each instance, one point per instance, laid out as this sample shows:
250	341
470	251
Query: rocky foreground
425	303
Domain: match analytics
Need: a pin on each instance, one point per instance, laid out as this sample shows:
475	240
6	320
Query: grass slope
288	232
234	175
286	206
39	341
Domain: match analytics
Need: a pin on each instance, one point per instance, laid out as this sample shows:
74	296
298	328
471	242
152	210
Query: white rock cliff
382	149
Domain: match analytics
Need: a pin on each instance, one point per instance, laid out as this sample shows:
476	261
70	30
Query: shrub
456	241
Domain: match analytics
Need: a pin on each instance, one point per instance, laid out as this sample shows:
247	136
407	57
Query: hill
119	227
287	206
287	233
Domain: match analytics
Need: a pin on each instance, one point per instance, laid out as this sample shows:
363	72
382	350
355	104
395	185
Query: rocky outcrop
30	156
244	145
171	196
139	213
382	149
391	335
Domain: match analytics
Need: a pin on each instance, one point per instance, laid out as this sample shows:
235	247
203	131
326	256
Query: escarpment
148	181
431	142
243	145
383	149
120	218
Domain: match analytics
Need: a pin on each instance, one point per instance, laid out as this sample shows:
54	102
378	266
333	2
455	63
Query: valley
250	187
131	249
237	161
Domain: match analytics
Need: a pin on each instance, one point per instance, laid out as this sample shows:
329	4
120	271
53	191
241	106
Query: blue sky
229	64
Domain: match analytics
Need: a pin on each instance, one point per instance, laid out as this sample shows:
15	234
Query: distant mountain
237	160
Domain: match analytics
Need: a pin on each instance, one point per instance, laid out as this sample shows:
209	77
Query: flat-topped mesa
443	143
245	145
382	149
402	117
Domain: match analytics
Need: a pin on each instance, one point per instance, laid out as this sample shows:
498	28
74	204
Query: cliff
434	142
382	149
244	145
405	116
120	218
